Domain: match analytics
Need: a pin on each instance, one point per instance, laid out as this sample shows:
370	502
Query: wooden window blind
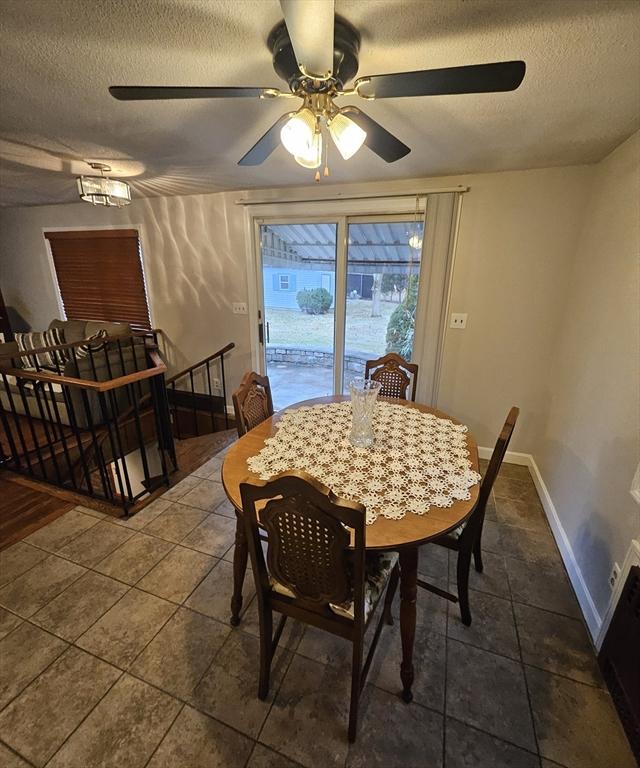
100	275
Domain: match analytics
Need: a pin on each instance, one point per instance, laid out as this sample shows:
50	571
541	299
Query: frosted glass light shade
347	136
99	190
298	132
312	158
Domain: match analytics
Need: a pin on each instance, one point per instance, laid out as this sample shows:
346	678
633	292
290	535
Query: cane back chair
395	374
252	402
316	569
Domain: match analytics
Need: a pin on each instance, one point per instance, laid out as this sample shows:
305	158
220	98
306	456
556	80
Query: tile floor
115	650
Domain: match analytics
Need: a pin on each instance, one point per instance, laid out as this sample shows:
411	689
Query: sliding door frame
341	212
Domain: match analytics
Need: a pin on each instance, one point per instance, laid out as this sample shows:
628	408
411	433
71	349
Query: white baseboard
588	607
510	457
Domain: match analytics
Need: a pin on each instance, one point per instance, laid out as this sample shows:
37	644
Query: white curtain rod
347	196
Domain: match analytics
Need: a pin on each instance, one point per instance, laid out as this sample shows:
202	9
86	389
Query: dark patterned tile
557	644
534	546
492	627
576	724
61	531
214	535
469	748
522	514
18	667
175	522
206	495
18	559
145	516
95	544
229	689
210	470
433	562
313	700
263	757
213	595
515	488
9	759
178	574
291	634
35	588
73	611
197	741
489	692
493	580
8	622
429	654
126	628
411	737
50	709
543	586
123	730
135	558
181	652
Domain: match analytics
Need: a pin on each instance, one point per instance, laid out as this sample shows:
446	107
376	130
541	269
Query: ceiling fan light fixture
312	158
347	135
297	134
101	190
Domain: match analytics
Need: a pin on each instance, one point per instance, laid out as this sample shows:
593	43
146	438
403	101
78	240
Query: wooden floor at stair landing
24	510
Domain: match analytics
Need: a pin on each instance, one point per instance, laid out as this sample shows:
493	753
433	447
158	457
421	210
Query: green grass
363	332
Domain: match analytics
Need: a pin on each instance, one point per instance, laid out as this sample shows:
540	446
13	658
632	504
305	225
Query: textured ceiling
580	97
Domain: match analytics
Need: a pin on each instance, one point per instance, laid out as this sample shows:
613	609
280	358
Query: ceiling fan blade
379	140
310	27
265	145
475	78
148	92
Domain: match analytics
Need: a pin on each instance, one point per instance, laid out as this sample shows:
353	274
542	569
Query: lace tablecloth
417	460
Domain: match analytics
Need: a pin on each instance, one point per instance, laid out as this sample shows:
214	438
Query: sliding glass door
383	273
298	289
333	295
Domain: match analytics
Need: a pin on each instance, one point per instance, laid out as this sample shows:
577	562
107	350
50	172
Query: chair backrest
395	374
252	402
309	535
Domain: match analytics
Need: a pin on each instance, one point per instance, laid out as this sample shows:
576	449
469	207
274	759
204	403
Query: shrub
402	322
316	301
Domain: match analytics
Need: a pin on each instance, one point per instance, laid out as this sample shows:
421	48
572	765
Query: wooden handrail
94	386
206	360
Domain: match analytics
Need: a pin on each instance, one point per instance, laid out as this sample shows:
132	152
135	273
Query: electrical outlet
215	383
458	320
239	308
613	576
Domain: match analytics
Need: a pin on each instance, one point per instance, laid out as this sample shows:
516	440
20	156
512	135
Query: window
100	275
284	282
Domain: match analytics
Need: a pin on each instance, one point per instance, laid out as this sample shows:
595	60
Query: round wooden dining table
404	536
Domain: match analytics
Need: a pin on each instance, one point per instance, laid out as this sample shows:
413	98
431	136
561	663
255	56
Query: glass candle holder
364	393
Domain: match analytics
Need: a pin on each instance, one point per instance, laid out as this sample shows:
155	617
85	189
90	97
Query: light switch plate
458	320
239	308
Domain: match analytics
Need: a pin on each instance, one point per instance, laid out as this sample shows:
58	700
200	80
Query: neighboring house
281	285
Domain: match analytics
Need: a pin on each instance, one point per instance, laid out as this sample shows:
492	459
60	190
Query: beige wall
590	447
517	231
194	264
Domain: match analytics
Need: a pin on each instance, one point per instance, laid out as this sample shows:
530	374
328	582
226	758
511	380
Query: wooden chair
316	569
395	374
252	402
466	540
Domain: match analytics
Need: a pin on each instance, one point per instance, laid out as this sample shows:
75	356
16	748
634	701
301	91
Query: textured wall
590	447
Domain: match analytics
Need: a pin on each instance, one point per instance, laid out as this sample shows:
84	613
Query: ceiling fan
316	54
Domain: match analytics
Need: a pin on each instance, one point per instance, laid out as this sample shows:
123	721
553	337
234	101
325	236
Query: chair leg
391	593
266	651
464	563
356	672
477	555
